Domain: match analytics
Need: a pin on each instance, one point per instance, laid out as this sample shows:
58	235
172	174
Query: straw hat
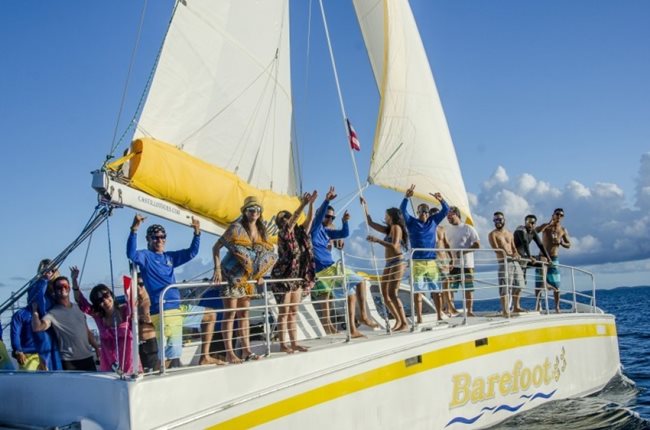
251	201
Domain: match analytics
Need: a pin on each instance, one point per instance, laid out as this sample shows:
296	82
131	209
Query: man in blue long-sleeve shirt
422	235
157	271
23	341
321	235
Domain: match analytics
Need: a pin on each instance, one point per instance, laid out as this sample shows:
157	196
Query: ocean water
625	402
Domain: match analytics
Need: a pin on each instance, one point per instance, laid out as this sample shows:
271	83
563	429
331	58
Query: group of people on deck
51	332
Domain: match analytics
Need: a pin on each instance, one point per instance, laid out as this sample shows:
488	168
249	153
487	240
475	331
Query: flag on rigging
352	135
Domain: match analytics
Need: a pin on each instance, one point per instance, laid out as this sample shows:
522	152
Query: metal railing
263	314
576	295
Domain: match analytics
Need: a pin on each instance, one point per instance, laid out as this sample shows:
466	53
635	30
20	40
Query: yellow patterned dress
246	260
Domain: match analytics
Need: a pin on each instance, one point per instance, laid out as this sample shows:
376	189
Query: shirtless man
554	235
503	242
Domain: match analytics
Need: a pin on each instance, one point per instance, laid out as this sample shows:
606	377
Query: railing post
573	285
544	277
162	344
267	326
462	285
593	293
348	335
412	293
134	323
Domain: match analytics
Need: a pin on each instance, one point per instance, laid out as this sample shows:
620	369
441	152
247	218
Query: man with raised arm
524	234
422	234
70	326
321	234
157	271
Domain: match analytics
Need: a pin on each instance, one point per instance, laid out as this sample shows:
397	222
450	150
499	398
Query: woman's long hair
397	218
97	296
261	227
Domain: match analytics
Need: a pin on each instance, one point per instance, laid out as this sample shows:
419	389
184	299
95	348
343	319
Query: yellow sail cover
170	174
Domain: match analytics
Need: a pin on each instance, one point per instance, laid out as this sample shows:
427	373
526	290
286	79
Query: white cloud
576	189
498	177
601	226
526	183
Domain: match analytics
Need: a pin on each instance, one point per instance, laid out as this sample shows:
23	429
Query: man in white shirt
462	236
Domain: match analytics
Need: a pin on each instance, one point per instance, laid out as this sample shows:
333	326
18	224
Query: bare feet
470	314
401	327
356	334
207	360
518	310
369	323
299	348
330	329
505	314
233	359
286	348
557	310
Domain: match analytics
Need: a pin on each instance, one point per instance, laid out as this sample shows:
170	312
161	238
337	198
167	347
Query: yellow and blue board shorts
425	276
173	332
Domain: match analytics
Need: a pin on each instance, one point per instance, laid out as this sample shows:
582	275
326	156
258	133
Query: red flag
126	280
352	134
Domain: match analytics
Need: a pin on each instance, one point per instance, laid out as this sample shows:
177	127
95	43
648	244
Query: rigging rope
145	91
354	161
100	214
128	76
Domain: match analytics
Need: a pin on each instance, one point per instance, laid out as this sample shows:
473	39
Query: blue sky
547	104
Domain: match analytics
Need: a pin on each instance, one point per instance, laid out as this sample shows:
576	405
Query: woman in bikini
395	243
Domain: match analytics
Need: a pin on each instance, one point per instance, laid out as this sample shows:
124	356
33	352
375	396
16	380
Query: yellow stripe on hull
397	370
164	171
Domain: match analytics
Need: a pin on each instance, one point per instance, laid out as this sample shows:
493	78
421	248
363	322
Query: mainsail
217	122
412	141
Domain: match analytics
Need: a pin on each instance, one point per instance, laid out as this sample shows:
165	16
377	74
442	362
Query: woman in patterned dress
250	256
295	260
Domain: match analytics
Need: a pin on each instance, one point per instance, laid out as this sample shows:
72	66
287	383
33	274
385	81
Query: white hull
441	378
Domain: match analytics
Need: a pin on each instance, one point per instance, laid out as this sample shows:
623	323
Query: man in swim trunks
462	236
422	234
524	234
321	234
554	236
510	274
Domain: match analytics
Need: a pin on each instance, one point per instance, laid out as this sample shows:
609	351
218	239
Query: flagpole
352	156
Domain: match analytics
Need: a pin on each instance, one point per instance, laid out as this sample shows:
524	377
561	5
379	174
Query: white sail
222	93
412	141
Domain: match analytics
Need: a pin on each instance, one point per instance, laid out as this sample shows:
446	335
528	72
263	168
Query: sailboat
216	127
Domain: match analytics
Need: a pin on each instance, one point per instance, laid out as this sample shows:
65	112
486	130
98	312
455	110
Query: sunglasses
159	237
332	217
140	284
423	211
254	209
531	221
59	287
498	219
100	297
560	214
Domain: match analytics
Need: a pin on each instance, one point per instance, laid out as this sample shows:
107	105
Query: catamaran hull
450	377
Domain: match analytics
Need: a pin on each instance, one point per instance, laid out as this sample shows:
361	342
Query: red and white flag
352	134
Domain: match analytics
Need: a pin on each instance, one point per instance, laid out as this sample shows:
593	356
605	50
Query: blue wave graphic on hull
464	420
529	398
